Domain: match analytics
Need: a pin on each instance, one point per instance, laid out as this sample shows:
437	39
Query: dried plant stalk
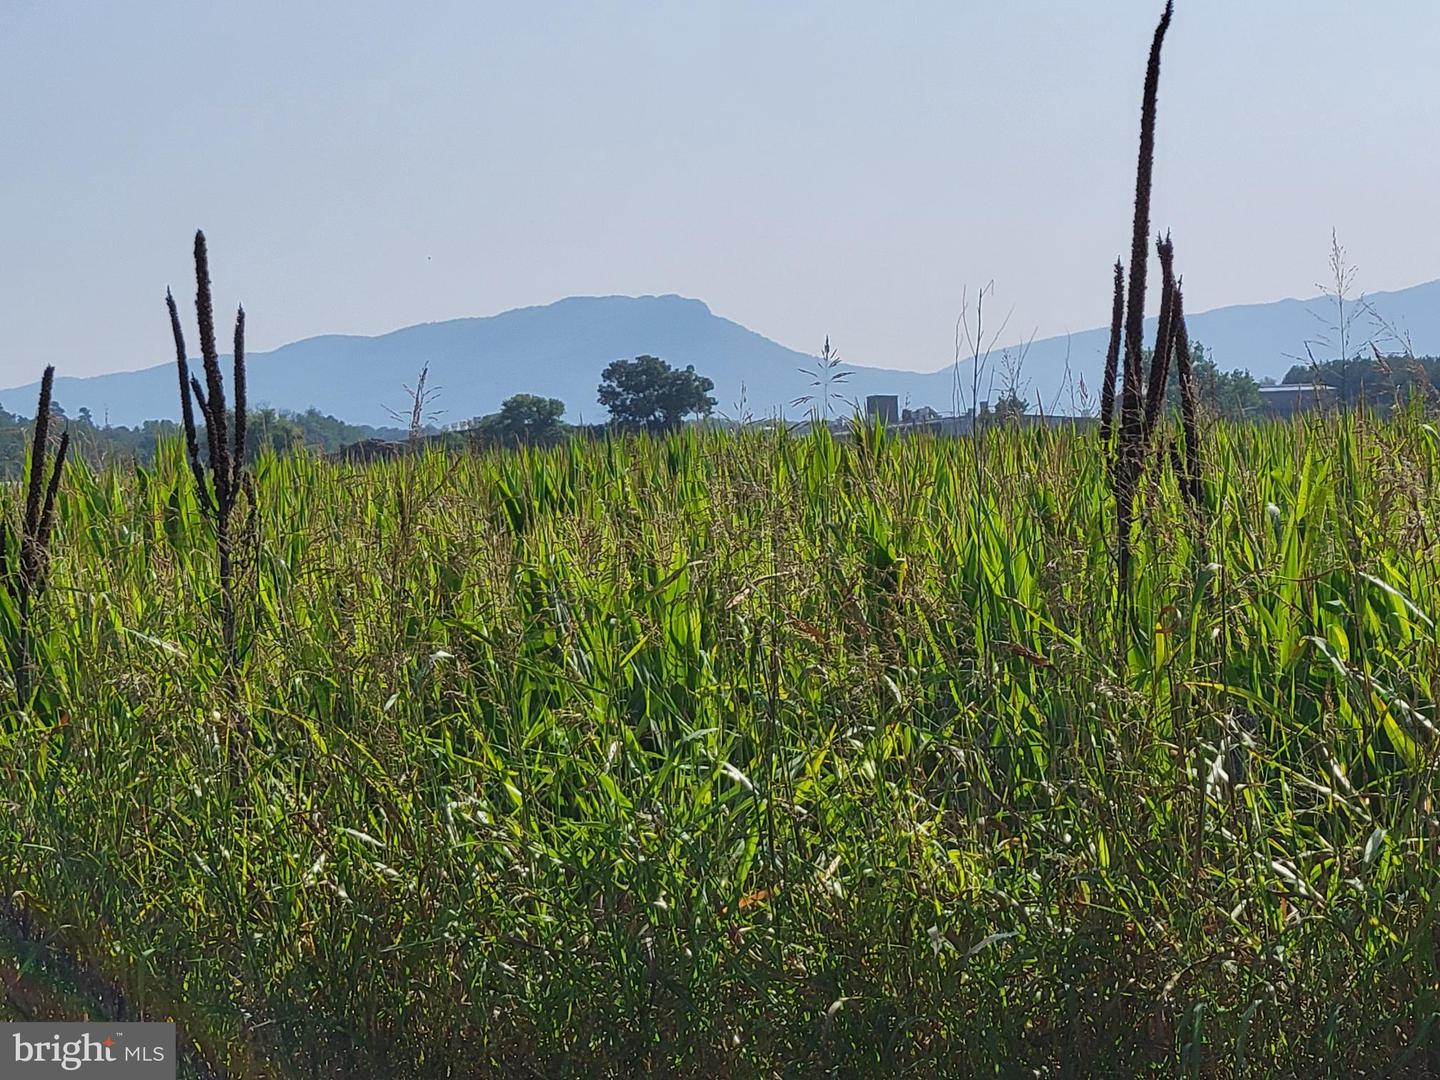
1131	401
1189	407
1164	341
219	493
1112	357
36	529
1139	404
237	457
187	413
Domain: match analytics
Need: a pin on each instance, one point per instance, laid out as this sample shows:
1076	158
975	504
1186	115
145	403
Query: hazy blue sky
804	167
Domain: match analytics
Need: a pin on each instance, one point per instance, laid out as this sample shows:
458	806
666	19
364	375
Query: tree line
1376	380
641	394
648	394
275	429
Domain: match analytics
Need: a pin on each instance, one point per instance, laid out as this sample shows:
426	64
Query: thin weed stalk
1139	403
219	494
1189	410
37	527
1112	357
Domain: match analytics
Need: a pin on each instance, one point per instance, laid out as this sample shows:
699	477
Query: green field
745	754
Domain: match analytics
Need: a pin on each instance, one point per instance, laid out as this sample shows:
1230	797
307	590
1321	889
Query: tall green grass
750	754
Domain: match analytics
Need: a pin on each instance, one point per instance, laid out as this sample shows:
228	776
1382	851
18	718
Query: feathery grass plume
1112	357
219	493
35	532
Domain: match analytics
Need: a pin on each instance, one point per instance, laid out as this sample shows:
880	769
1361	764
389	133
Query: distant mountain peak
559	350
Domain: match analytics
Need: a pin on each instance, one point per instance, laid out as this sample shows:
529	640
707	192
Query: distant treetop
648	394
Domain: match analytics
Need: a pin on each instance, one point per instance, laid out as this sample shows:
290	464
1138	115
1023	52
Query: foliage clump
647	394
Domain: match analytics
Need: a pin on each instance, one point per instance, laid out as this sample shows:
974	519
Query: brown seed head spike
187	414
1189	419
1164	341
238	454
200	397
214	387
1131	403
209	434
37	453
1112	356
47	515
226	478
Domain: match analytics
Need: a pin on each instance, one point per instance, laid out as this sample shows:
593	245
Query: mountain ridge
559	349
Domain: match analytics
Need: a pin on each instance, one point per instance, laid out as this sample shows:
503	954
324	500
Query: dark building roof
1298	388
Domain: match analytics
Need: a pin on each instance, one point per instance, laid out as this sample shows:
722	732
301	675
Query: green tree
1228	394
647	393
1372	380
1011	406
526	419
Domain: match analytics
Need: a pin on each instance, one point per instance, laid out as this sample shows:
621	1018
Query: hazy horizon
1008	340
812	170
